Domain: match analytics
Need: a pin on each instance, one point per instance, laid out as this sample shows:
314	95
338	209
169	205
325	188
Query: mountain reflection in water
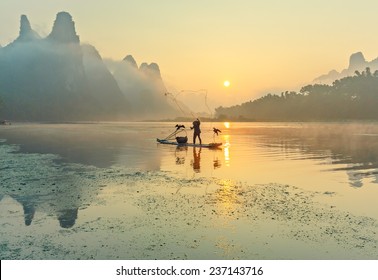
252	152
349	147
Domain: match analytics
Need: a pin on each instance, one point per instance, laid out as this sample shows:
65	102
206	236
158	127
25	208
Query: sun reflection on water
227	200
226	150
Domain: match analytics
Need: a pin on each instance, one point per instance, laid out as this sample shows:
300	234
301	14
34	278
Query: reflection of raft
210	145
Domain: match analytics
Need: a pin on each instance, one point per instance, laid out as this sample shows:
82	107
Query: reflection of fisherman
196	160
197	131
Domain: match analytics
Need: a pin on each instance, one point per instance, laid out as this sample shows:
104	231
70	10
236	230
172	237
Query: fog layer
57	78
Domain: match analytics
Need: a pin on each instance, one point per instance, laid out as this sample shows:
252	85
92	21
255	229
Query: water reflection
32	204
67	217
51	186
226	150
196	162
226	200
65	212
196	159
355	179
180	154
101	145
352	148
217	163
28	207
40	185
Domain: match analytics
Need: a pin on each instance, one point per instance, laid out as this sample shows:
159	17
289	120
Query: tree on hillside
354	97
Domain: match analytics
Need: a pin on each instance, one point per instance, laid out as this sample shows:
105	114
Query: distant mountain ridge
351	94
357	62
57	78
26	32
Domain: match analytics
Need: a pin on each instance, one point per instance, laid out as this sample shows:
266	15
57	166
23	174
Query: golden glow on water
227	156
226	198
226	150
226	124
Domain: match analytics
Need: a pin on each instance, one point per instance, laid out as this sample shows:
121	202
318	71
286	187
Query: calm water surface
323	157
334	157
339	159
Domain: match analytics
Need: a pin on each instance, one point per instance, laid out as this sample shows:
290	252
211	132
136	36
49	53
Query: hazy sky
259	46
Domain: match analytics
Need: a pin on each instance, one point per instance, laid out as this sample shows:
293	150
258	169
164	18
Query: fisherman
197	131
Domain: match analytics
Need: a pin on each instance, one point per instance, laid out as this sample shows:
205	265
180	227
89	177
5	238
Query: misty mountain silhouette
357	62
144	85
64	29
58	79
26	32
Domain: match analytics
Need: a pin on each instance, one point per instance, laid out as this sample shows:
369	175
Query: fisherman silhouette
197	131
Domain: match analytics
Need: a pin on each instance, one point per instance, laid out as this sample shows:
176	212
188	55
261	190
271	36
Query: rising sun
226	83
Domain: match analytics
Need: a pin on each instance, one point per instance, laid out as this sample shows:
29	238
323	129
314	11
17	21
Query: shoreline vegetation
348	99
241	120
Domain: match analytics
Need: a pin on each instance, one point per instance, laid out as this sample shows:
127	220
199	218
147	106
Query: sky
260	46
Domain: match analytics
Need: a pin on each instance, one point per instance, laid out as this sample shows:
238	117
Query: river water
108	191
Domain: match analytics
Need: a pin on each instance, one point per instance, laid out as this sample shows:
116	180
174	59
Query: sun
226	83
